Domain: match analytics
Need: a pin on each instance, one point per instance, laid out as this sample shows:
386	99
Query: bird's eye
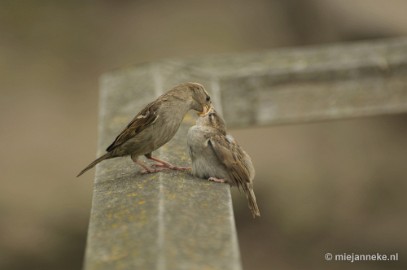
208	98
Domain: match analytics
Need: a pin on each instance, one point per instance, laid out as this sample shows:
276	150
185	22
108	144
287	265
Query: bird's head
198	98
212	119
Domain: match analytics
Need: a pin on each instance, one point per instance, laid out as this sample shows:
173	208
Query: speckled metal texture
166	220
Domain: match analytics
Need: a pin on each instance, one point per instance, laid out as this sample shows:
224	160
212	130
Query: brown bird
215	155
155	125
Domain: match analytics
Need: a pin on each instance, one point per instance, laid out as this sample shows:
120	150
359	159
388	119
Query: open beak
205	111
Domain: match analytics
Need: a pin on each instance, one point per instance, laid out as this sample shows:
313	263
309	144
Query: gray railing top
171	220
167	220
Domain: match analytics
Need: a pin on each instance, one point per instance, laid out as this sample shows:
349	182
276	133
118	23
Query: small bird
155	125
215	155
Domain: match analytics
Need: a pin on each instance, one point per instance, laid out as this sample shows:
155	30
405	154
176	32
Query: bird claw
217	180
181	168
171	167
144	171
158	165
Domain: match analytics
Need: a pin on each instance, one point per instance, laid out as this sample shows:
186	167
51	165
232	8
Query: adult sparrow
155	125
215	155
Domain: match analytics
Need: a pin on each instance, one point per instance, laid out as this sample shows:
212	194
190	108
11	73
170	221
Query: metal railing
171	220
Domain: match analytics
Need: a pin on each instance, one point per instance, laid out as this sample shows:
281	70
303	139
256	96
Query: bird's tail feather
252	203
96	161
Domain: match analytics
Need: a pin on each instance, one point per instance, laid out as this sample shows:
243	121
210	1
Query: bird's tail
96	161
252	202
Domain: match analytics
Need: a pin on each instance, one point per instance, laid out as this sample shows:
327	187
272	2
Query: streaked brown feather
138	124
231	155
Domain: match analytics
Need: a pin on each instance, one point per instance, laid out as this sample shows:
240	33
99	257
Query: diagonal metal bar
304	84
172	220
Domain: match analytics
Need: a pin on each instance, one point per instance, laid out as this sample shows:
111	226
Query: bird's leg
146	169
217	180
164	164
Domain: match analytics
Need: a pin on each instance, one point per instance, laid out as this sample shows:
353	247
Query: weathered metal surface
167	220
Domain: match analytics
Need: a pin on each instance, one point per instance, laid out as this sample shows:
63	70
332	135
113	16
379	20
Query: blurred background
336	187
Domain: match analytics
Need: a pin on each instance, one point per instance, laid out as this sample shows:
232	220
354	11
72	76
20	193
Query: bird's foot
182	168
164	164
217	180
146	169
167	165
150	170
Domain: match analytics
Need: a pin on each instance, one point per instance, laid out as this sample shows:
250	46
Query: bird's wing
231	155
141	121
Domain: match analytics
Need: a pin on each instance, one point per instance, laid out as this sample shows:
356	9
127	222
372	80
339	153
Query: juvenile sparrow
155	125
216	156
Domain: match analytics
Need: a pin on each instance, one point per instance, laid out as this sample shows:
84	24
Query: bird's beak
206	109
